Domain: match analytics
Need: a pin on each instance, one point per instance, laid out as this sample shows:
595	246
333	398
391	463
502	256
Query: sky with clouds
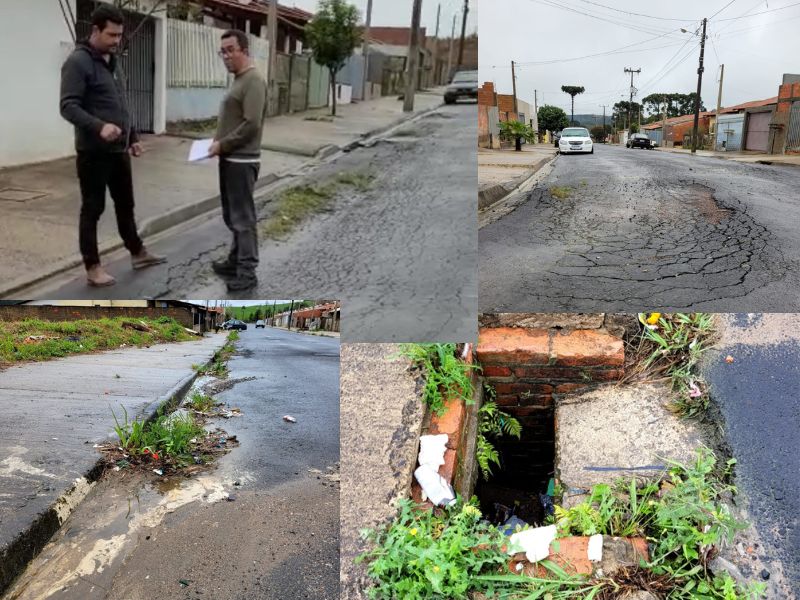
397	13
551	40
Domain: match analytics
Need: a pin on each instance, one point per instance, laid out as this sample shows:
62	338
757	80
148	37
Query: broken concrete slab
51	415
618	432
380	424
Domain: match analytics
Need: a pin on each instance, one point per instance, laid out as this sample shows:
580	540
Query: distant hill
249	313
590	121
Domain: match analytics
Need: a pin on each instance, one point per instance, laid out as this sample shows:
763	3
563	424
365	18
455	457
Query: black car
640	140
464	85
235	324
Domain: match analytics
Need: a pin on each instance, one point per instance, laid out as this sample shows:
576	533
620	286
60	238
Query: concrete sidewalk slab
381	421
743	156
51	415
168	189
500	172
618	432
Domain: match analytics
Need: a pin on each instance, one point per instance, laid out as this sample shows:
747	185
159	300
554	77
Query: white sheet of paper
199	150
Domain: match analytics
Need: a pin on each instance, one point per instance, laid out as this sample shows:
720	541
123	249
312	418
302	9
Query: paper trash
431	450
436	489
535	543
596	548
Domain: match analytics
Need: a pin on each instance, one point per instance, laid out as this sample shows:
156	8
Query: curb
491	195
16	556
154	225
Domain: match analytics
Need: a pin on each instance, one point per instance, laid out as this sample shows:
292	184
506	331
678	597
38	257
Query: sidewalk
744	156
39	227
501	171
51	415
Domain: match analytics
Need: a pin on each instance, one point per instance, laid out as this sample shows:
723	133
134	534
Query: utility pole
514	85
291	310
436	80
365	50
536	113
664	126
604	120
463	33
699	86
272	59
450	51
413	58
719	105
630	102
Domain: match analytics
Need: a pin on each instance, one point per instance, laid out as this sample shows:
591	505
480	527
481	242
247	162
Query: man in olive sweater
93	100
238	145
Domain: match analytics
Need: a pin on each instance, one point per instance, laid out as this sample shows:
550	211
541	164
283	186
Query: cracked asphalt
640	229
401	255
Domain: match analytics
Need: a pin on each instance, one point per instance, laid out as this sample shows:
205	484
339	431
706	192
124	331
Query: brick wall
528	367
74	313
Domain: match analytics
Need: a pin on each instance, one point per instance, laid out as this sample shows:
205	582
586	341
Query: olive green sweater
241	116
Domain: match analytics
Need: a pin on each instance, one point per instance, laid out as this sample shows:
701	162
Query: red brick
526	411
587	348
606	374
496	371
571	387
571	554
536	400
448	469
507	400
451	420
546	373
504	345
523	388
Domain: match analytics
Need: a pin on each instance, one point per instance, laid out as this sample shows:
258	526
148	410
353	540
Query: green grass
64	338
233	335
168	435
294	205
445	375
560	192
361	181
200	402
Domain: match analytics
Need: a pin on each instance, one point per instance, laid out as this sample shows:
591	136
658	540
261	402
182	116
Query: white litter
596	548
158	471
535	543
289	419
436	489
431	450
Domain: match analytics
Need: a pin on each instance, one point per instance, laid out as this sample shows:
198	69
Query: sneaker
97	276
224	267
242	283
145	259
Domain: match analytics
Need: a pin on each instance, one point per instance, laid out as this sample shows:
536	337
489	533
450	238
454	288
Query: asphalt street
622	230
756	393
263	523
400	255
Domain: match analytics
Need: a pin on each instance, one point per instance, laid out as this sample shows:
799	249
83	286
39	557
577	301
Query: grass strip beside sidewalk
36	340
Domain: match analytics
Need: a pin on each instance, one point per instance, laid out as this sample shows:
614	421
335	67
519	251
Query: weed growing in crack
233	336
560	192
168	435
361	181
671	346
445	375
492	423
200	402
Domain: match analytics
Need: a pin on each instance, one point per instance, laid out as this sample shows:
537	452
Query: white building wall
35	41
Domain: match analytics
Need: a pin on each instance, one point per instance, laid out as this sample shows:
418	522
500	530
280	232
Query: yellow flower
413	531
653	318
471	511
436	568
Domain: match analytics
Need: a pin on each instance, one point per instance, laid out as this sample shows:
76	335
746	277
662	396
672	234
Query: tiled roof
262	7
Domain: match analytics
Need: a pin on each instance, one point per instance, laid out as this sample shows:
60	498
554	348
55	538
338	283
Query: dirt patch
702	198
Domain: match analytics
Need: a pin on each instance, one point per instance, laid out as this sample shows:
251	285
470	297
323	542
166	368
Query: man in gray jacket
93	100
238	145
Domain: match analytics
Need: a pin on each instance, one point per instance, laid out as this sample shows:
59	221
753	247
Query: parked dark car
464	85
234	324
640	140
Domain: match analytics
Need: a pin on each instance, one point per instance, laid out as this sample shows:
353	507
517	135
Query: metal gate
793	133
136	63
757	131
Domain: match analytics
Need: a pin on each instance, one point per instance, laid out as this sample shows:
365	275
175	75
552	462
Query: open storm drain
20	195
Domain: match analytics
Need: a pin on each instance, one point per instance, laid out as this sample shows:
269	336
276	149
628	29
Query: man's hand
136	149
214	149
110	132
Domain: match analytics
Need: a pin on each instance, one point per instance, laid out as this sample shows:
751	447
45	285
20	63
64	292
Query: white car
575	139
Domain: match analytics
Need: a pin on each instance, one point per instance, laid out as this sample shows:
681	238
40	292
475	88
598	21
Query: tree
514	130
572	90
333	35
619	113
552	118
677	104
598	132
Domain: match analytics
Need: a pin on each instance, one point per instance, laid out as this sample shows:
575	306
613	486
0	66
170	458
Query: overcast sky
397	13
756	48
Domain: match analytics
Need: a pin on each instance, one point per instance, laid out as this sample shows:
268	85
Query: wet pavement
639	229
401	255
757	395
262	523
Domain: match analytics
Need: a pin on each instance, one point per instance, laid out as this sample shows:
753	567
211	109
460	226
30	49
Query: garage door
758	131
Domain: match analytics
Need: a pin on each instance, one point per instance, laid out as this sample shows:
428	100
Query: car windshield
575	132
466	77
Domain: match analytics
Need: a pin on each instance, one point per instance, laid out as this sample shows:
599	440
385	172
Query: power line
763	12
635	27
721	9
637	14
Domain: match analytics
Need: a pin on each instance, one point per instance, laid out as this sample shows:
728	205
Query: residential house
488	117
745	126
678	130
784	136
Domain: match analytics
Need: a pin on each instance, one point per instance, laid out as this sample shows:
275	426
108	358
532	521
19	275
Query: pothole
703	200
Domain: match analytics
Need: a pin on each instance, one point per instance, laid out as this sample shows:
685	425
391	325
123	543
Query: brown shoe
97	276
145	259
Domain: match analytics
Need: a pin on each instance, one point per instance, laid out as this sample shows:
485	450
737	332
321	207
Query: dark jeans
96	172
236	184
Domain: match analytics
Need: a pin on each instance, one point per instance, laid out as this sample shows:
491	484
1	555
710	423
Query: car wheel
448	100
591	151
